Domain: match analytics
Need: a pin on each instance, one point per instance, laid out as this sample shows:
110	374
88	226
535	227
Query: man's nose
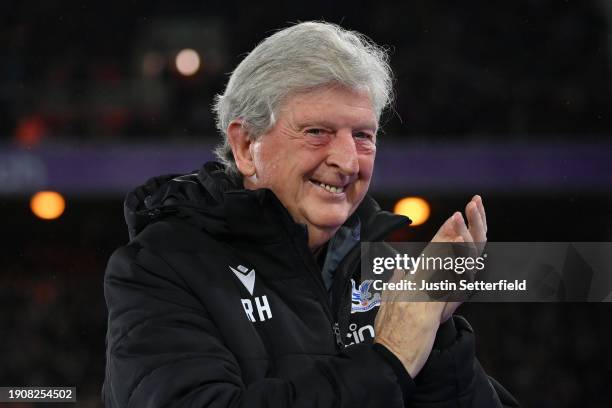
343	153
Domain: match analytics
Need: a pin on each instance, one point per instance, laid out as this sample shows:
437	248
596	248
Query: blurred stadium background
510	100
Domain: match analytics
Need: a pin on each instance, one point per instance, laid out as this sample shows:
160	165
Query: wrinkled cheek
267	174
362	189
366	167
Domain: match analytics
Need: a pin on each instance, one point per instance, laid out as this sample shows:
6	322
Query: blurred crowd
107	71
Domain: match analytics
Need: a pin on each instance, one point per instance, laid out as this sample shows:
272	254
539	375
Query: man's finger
481	210
460	227
476	227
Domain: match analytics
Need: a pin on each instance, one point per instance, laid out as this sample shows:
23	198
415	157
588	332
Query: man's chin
322	225
329	226
331	219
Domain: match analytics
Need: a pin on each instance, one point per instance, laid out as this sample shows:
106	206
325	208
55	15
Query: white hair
297	59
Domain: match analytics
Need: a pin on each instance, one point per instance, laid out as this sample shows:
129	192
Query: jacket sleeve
163	349
453	377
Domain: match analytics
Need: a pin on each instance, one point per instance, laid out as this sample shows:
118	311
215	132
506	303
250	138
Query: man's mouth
329	187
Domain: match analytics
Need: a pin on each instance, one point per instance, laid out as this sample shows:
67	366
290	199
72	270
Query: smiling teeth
331	189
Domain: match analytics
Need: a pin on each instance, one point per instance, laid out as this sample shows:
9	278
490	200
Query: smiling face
318	158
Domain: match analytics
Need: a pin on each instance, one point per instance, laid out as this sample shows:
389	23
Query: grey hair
297	59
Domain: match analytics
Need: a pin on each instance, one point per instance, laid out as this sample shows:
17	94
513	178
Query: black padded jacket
217	302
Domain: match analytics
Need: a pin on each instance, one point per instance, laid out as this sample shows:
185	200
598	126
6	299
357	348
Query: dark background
73	73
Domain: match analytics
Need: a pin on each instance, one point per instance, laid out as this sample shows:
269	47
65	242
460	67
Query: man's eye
363	135
316	132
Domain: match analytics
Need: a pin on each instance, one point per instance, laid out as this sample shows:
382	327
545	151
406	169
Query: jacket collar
218	203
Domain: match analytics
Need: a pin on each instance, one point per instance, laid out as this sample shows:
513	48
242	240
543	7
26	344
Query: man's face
319	157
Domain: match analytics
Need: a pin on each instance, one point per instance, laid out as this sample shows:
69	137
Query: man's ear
240	140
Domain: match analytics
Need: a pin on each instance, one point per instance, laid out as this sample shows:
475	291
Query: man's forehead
351	108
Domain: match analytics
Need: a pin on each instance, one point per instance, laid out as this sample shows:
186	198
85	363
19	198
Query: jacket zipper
338	333
307	258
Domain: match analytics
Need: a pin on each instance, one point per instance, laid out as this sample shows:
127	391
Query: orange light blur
48	205
416	208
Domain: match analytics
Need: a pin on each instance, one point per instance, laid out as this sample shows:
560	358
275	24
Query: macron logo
246	277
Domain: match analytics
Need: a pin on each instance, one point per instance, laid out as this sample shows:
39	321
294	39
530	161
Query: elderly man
234	290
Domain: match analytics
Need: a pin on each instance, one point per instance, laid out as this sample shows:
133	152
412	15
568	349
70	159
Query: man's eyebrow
367	125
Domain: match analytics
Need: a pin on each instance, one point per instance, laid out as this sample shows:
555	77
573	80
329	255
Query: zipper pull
154	213
339	342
